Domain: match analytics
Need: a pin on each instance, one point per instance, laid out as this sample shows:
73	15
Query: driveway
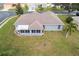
5	14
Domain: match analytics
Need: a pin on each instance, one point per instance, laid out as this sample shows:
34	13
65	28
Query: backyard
51	43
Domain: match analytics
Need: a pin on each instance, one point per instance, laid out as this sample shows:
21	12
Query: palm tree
70	26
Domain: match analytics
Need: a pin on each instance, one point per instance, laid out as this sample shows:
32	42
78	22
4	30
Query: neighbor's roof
42	18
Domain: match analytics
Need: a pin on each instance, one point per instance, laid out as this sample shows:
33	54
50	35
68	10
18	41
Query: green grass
54	8
51	43
63	17
57	9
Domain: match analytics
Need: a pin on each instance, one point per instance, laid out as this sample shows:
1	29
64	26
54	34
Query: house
7	6
1	6
76	20
36	23
57	5
32	6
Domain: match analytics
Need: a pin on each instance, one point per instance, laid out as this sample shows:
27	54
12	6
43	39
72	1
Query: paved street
65	12
60	12
5	14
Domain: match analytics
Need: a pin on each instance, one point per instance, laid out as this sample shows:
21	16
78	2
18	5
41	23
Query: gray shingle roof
43	18
36	25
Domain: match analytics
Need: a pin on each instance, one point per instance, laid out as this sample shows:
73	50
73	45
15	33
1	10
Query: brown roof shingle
43	18
36	25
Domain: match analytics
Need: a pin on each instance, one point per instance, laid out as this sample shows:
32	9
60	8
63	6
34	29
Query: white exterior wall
22	27
53	28
32	7
46	28
44	5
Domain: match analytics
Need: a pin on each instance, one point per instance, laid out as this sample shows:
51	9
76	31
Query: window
44	26
38	31
22	31
18	31
33	31
59	26
27	31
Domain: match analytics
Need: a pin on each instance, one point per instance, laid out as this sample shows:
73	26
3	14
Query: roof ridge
36	21
36	24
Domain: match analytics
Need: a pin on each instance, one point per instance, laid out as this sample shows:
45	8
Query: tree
70	6
67	6
40	8
69	20
13	5
75	6
19	9
26	7
70	26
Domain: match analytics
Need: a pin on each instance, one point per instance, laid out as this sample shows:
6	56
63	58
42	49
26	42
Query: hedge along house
36	23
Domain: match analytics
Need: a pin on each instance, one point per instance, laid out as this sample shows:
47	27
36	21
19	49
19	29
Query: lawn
51	43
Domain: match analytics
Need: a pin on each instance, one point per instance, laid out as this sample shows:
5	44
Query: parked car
77	14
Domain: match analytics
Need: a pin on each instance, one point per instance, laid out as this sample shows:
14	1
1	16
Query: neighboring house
1	6
32	6
6	6
57	5
36	23
76	20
